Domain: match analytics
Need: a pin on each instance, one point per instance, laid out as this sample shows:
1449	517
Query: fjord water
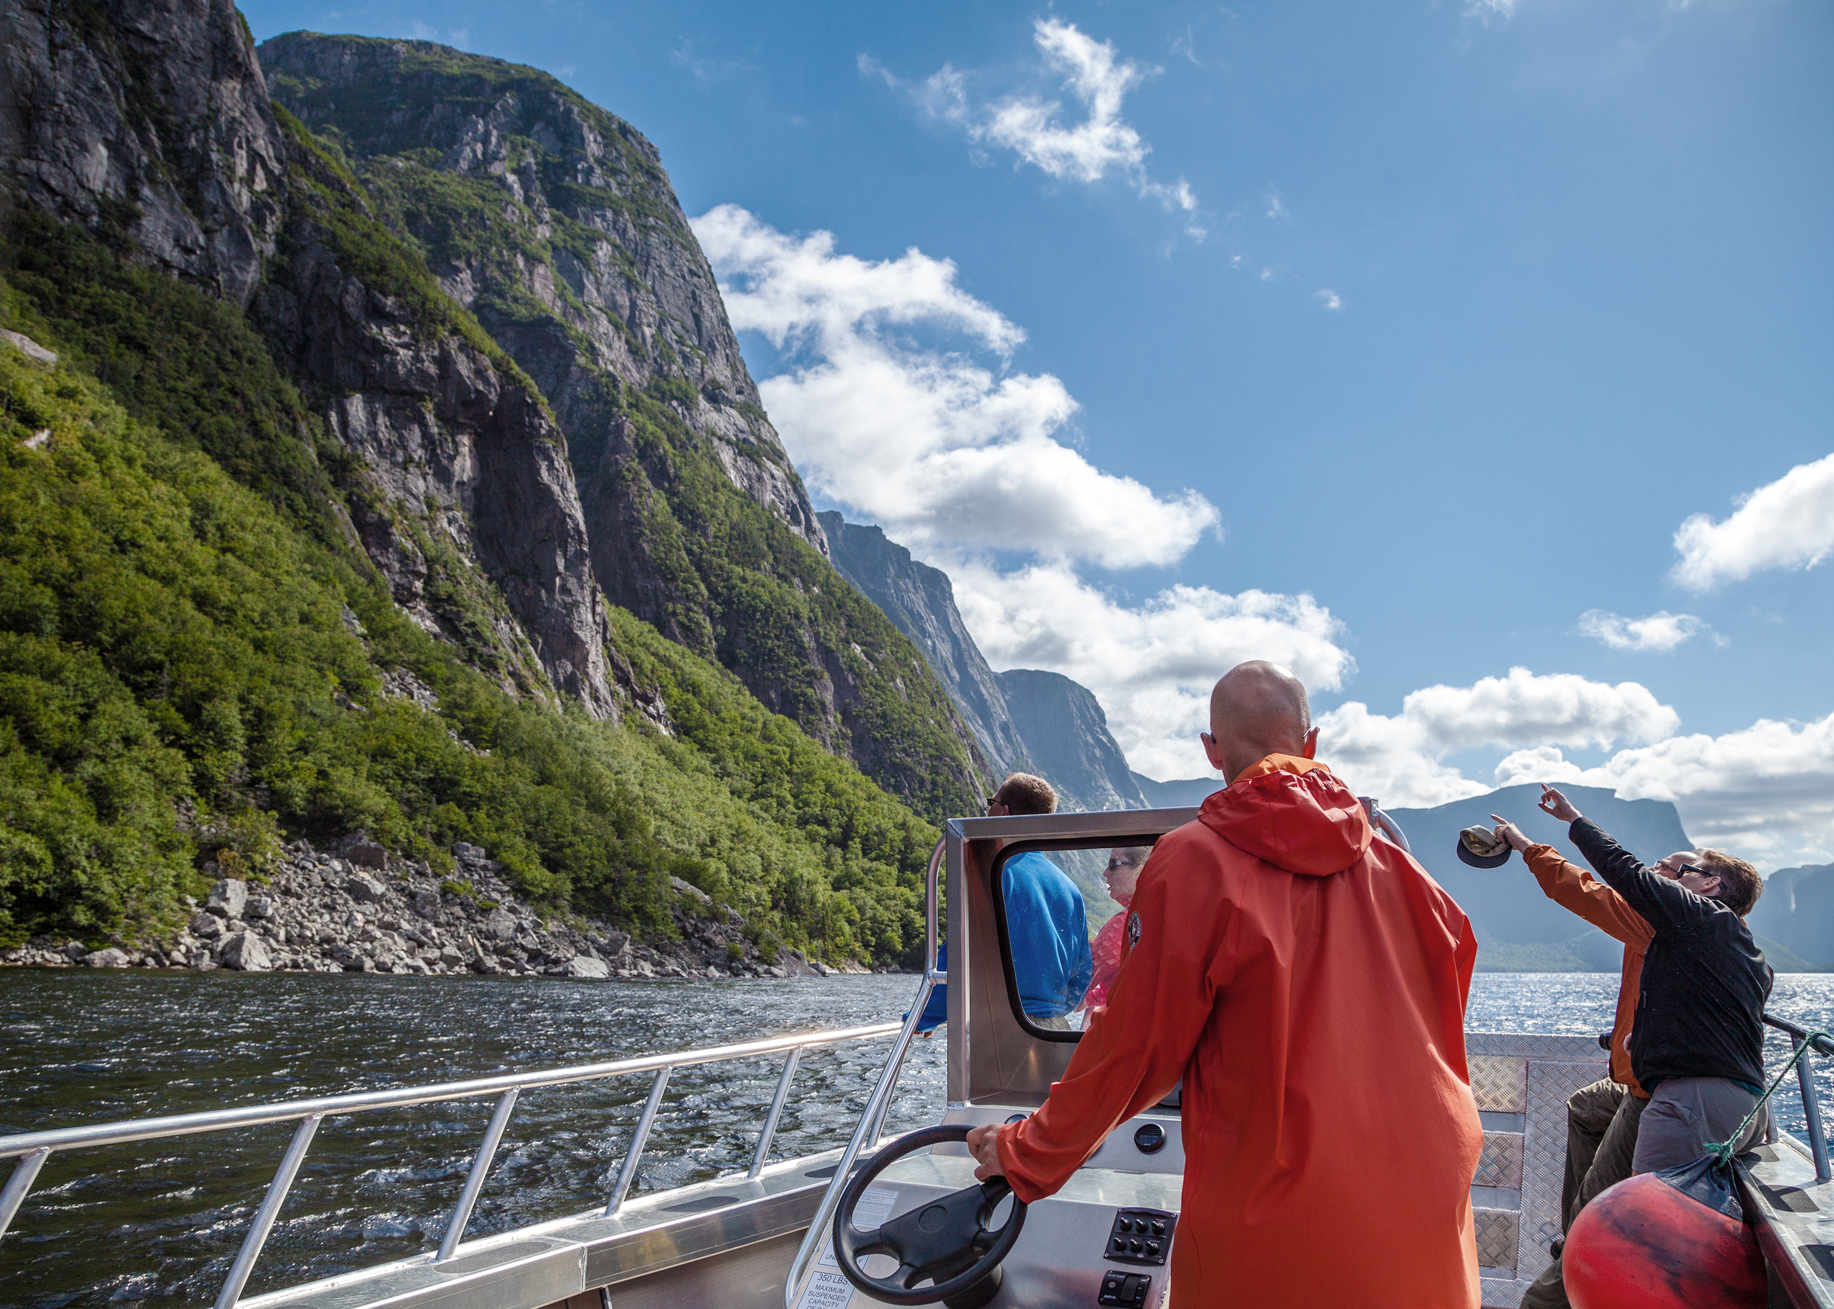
160	1221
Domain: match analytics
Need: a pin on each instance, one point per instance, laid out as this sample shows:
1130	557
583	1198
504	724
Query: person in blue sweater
1045	922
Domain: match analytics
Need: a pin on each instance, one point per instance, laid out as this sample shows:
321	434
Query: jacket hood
1294	813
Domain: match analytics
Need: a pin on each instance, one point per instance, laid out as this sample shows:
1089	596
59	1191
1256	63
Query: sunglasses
1693	868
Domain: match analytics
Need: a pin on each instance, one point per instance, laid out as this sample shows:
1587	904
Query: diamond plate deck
1530	1074
1499	1083
1496	1240
1501	1162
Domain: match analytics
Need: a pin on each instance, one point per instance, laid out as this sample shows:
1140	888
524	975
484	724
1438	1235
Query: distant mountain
1024	719
920	601
1185	794
1797	912
1066	735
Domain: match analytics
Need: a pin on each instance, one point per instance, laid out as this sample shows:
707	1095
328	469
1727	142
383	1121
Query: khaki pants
1602	1122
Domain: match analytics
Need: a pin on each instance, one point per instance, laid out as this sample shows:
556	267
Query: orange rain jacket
1573	888
1309	985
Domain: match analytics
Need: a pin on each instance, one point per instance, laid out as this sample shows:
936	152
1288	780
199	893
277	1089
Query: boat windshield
1060	909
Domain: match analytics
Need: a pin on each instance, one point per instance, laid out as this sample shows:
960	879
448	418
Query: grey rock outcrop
155	124
149	121
554	222
1023	720
245	951
229	898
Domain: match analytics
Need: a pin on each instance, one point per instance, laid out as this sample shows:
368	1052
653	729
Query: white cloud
1765	792
1150	665
939	449
1035	128
1331	299
1787	524
1398	759
1661	631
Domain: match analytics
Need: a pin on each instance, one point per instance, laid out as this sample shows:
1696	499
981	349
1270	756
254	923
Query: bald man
1308	983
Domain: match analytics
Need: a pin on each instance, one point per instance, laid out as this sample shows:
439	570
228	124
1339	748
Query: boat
762	1238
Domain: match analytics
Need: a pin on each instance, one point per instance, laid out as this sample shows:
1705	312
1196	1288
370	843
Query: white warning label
826	1290
874	1207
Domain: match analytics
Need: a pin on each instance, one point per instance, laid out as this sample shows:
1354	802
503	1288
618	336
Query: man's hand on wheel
1556	804
982	1145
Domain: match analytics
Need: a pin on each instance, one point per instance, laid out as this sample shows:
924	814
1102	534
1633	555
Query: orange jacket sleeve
1135	1050
1573	888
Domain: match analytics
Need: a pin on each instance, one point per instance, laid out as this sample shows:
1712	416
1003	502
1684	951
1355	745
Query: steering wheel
947	1240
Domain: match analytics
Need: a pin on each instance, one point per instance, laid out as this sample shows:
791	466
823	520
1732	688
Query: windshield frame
1012	850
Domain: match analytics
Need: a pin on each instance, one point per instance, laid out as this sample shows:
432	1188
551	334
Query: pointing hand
1556	804
1510	833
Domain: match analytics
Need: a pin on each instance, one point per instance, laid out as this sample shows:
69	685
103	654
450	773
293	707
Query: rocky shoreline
357	909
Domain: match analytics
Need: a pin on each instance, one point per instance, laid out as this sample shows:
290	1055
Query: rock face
920	601
155	125
603	286
464	469
1067	735
148	121
554	223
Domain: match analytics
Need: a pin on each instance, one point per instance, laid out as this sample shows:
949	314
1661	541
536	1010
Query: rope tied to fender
1722	1150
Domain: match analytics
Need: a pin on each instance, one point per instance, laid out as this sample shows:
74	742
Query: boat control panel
1141	1236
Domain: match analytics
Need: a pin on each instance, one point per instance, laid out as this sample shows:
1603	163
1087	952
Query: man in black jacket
1696	1044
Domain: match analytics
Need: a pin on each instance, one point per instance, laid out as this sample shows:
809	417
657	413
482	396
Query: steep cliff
147	125
152	124
394	620
920	601
553	222
1797	912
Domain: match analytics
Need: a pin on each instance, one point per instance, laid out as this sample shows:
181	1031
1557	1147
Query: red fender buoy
1642	1244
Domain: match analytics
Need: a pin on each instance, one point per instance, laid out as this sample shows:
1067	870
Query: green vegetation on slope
187	670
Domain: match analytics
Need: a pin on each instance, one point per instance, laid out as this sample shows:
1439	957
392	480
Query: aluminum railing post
474	1181
770	1122
24	1173
267	1213
1811	1113
629	1171
873	1112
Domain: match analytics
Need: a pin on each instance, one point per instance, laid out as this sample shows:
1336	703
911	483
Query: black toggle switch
1140	1236
1125	1290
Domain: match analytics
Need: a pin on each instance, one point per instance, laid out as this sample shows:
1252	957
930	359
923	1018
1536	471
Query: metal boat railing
31	1149
1805	1081
872	1121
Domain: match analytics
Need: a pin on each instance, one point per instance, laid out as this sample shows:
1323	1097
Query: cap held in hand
1479	847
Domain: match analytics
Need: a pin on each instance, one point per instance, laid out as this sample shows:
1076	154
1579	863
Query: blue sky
1392	340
